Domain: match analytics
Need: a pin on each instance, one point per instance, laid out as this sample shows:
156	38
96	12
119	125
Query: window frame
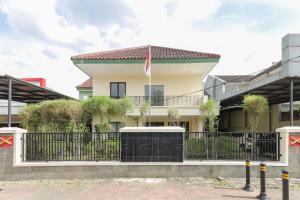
118	89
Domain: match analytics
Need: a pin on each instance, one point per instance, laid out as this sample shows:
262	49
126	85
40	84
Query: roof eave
140	61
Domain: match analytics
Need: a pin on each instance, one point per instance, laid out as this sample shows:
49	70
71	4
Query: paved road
137	189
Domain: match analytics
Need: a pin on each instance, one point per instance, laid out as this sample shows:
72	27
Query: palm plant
210	123
255	106
144	109
173	115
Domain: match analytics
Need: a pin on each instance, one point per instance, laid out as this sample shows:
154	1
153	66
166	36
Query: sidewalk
140	189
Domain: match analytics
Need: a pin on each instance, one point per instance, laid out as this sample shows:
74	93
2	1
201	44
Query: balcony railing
182	101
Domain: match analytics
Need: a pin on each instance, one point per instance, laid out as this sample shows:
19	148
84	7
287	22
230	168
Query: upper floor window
117	89
157	94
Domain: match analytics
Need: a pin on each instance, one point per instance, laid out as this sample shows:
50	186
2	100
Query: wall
83	93
174	85
238	117
195	123
137	170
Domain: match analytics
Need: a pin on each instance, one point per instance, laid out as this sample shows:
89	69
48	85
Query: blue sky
37	38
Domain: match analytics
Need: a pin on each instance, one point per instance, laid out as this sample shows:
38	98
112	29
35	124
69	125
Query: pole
263	194
150	98
248	187
291	102
9	101
285	185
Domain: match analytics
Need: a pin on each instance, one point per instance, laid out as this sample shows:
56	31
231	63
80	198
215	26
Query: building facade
280	84
176	81
85	89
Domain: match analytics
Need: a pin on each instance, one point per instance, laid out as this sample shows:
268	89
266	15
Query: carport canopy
283	90
14	89
276	92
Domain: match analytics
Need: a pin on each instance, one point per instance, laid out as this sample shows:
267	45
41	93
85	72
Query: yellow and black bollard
263	194
285	185
248	186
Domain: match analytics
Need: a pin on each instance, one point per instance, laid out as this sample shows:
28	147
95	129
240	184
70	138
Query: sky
37	38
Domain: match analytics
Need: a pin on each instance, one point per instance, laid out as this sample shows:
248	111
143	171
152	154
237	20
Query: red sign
294	141
6	141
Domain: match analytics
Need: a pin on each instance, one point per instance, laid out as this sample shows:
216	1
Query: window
185	125
115	126
157	94
117	89
155	124
284	111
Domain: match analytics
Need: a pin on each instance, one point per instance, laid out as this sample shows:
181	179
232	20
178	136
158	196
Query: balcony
168	101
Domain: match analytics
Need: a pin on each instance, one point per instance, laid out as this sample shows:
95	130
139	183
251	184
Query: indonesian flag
148	63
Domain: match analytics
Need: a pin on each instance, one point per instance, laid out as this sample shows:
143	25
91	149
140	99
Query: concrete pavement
139	189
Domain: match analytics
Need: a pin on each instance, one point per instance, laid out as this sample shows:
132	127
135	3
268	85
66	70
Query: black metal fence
71	146
107	146
232	146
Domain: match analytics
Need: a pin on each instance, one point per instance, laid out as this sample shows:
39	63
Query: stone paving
141	189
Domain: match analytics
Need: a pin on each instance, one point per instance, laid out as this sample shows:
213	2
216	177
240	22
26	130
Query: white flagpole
150	99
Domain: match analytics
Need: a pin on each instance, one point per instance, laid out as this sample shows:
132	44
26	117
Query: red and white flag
148	63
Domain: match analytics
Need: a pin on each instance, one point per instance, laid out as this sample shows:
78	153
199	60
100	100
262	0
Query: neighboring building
280	84
85	89
216	86
176	74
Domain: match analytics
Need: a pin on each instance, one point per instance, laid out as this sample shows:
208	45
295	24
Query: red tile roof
86	84
140	53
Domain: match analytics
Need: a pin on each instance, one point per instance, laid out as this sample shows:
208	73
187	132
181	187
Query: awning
276	92
25	92
14	89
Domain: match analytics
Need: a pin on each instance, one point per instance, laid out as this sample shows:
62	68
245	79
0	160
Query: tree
102	108
54	116
173	115
255	106
210	124
209	115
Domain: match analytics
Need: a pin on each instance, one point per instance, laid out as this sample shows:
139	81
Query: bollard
248	187
285	185
263	194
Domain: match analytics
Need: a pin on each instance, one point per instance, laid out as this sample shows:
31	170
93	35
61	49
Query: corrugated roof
140	53
235	78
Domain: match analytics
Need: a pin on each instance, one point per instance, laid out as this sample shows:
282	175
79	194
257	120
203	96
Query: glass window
284	109
157	94
117	89
115	126
155	124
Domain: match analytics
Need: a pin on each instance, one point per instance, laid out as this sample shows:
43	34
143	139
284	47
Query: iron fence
232	146
107	146
71	146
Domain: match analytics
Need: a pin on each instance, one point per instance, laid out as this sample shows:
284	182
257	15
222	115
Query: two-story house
176	80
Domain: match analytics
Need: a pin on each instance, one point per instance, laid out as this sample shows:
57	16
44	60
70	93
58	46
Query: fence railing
232	146
188	101
71	146
107	146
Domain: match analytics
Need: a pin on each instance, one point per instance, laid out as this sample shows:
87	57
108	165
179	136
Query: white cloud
42	41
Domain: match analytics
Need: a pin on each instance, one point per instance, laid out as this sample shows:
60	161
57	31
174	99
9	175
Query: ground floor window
155	124
185	125
115	126
284	111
